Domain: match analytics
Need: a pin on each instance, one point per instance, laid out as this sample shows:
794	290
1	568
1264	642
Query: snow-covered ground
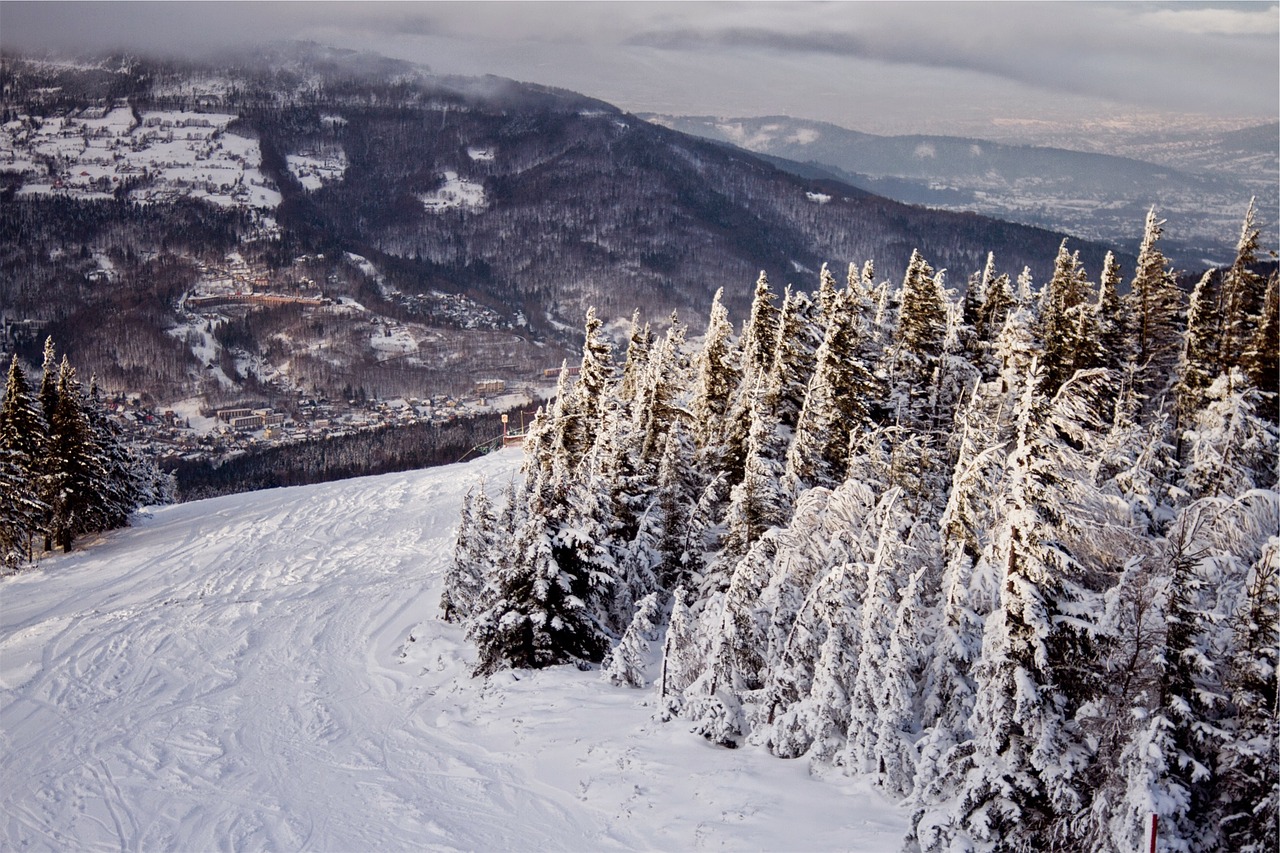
266	671
456	193
181	153
315	169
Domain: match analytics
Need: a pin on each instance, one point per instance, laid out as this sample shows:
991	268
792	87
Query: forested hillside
1012	557
495	210
1097	191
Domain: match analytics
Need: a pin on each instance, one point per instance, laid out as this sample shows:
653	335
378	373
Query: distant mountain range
1200	184
460	227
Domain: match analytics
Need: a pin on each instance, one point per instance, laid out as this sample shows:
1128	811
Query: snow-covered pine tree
629	661
918	346
129	480
75	465
1065	299
898	719
682	656
716	378
20	512
1019	784
968	590
49	380
474	556
885	574
1154	306
639	343
582	417
975	294
1228	448
1181	732
838	401
799	336
656	405
1199	363
1243	291
757	345
1248	790
539	615
1113	317
673	535
22	449
815	600
997	299
757	502
1263	353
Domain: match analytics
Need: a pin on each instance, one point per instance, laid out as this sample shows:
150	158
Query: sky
875	66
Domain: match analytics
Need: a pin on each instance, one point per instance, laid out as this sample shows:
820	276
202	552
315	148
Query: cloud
1262	21
1191	59
847	62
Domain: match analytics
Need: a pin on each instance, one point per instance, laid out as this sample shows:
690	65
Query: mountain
1201	184
267	671
313	220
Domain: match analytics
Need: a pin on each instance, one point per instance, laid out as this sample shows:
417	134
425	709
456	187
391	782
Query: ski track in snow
266	671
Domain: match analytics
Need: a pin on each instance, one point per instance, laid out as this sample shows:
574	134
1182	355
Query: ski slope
266	671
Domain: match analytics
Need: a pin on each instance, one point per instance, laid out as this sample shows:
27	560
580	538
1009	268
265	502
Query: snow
818	198
267	671
183	153
456	193
393	340
315	169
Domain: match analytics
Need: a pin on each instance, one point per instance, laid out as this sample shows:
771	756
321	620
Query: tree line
380	450
65	467
1012	556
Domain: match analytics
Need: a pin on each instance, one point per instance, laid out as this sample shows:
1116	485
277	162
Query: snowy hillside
267	671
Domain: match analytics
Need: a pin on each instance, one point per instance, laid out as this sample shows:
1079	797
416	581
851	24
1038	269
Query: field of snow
182	153
315	170
267	671
456	193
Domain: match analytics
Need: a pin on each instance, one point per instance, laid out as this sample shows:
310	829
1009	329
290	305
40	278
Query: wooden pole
1155	823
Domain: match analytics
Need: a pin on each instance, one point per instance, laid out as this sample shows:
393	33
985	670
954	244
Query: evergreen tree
717	376
539	614
1229	448
918	344
1263	353
674	533
757	503
22	479
682	656
1065	306
1021	784
1154	304
1199	362
581	418
838	401
760	332
1243	291
639	344
473	558
129	480
75	463
799	336
1112	318
49	381
629	660
1248	794
758	344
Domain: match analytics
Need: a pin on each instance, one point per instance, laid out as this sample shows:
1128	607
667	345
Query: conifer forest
66	469
1013	555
